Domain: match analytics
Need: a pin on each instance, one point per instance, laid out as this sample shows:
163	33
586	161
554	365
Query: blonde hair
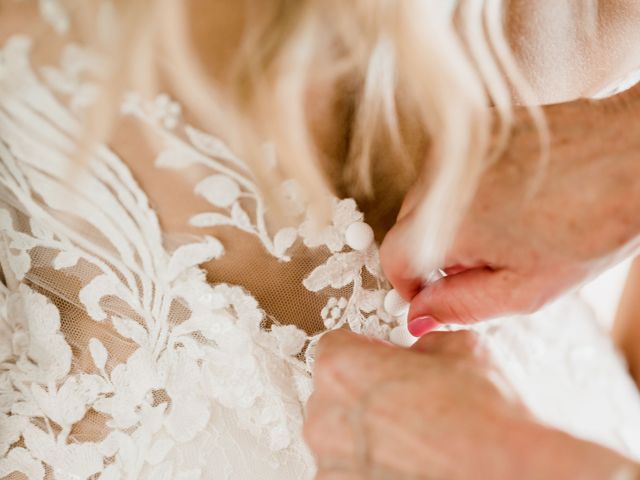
438	65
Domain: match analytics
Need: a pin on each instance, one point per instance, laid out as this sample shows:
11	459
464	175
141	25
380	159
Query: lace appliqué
166	376
185	372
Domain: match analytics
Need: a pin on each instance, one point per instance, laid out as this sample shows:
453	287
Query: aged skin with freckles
514	252
437	411
535	230
390	397
522	251
369	418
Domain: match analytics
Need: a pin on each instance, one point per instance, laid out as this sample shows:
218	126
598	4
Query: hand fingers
396	267
331	431
347	365
471	296
336	340
332	425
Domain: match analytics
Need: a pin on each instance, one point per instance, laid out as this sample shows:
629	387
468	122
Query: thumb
467	297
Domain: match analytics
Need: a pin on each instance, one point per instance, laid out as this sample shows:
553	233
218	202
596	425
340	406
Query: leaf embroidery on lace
169	389
228	189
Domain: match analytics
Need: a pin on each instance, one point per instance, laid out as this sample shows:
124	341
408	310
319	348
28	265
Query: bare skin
572	48
437	411
511	255
433	368
446	391
514	252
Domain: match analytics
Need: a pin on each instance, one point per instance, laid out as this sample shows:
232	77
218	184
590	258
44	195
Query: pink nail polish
422	325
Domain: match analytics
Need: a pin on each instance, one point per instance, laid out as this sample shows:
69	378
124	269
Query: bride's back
148	291
165	285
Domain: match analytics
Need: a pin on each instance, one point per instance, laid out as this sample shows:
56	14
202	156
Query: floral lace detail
117	358
226	189
223	189
55	15
69	79
363	312
193	349
350	260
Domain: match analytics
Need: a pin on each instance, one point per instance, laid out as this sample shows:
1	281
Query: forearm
572	48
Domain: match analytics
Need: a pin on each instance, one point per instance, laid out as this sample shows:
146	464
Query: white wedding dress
131	352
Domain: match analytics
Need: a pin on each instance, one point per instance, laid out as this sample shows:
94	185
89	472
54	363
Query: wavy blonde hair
435	65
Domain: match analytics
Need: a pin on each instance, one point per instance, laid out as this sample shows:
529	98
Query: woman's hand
439	410
521	244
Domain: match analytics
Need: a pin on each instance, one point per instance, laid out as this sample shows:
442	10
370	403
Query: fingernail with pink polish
422	325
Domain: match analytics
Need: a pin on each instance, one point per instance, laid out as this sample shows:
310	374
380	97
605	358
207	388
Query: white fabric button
401	337
395	305
359	236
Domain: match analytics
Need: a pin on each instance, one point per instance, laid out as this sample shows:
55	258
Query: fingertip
422	325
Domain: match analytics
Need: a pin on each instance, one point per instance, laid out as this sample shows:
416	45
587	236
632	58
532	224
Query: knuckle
328	349
464	343
467	339
339	349
430	342
328	365
333	340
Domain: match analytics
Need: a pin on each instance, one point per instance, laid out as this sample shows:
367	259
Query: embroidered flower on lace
332	311
197	355
53	12
230	188
35	324
181	371
224	190
231	181
345	213
14	64
167	111
73	77
363	311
